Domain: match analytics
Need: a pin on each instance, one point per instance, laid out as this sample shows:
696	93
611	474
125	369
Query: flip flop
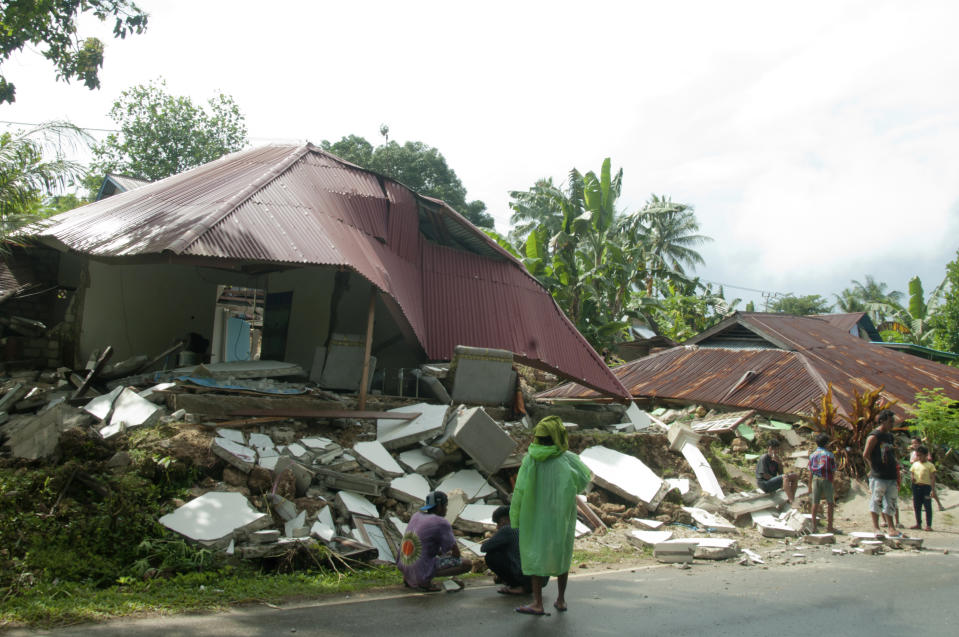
505	591
526	610
560	610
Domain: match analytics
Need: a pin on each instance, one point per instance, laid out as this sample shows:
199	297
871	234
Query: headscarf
552	427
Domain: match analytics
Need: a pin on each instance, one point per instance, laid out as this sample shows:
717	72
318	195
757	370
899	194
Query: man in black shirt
880	454
769	472
502	556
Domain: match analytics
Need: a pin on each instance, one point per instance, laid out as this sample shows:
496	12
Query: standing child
923	485
822	468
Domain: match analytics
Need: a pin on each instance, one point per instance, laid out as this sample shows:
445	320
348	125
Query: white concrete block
648	538
268	462
469	545
470	481
680	484
101	406
231	434
297	451
624	475
262	442
129	411
411	488
237	455
581	529
476	518
680	434
417	461
400	525
396	434
214	517
674	552
457	502
637	417
704	473
289	529
354	503
154	394
711	520
716	548
374	456
646	524
479	436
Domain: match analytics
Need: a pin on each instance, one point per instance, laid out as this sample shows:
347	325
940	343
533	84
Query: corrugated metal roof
811	354
300	205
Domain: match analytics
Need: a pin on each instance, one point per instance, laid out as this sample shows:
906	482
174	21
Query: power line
103	130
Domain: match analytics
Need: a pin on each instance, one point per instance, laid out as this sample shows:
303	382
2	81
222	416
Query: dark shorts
447	561
771	485
822	489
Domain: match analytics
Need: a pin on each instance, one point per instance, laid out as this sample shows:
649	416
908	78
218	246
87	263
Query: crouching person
428	548
502	556
769	473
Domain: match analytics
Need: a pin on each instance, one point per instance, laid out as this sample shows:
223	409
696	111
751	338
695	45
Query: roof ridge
201	227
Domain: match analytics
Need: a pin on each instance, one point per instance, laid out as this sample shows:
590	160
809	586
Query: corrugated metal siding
299	205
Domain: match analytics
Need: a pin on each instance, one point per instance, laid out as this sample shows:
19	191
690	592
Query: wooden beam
104	357
364	378
328	413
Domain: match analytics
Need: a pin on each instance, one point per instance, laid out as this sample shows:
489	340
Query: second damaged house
777	365
327	265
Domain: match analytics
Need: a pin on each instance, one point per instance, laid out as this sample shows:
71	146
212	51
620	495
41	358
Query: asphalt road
856	595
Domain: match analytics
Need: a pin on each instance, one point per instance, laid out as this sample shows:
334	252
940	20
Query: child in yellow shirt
923	485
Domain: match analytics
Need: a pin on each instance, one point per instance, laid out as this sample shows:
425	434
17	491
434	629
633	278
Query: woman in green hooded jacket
543	508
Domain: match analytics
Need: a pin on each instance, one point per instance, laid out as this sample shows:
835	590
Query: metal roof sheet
812	353
299	205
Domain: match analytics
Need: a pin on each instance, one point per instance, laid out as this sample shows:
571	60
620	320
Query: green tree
848	301
912	323
875	292
414	164
162	134
33	167
52	24
689	308
946	320
801	305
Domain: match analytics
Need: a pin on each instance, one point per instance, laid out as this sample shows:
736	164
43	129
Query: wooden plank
225	405
328	413
101	361
365	376
246	422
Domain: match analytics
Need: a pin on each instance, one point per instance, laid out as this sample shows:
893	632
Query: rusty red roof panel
302	206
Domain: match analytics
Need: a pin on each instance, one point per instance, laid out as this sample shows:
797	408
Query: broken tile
417	461
102	405
820	538
214	517
295	450
647	538
396	434
479	436
237	455
637	417
755	557
129	411
624	475
268	462
470	481
452	586
476	518
646	524
283	507
704	473
374	456
680	484
674	552
710	520
457	501
235	435
411	488
354	503
473	547
716	548
292	525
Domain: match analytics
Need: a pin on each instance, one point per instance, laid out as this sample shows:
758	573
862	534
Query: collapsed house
776	364
332	260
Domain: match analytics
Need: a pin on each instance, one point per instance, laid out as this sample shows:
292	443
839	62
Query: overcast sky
818	141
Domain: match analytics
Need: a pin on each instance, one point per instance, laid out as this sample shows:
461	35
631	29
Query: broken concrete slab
792	437
679	434
34	437
235	435
819	538
353	503
637	417
770	526
374	456
452	586
482	376
470	482
646	524
581	529
155	393
680	484
237	455
266	536
341	363
457	502
399	524
351	482
871	547
704	473
396	434
624	475
672	552
738	504
129	411
213	518
473	547
479	436
648	538
102	405
291	527
720	423
476	518
417	461
716	548
412	489
710	520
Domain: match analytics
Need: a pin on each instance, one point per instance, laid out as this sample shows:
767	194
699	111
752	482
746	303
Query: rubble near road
283	464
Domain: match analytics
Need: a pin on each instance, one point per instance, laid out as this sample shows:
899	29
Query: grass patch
66	603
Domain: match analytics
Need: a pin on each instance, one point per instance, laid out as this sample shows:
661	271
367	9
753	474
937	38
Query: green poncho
543	508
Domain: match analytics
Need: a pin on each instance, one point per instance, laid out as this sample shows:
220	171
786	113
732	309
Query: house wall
143	309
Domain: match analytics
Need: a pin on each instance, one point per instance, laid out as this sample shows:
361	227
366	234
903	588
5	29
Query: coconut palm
875	293
912	323
32	166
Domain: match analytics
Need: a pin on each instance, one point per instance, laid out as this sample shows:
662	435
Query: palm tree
913	324
667	232
874	292
848	301
26	173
